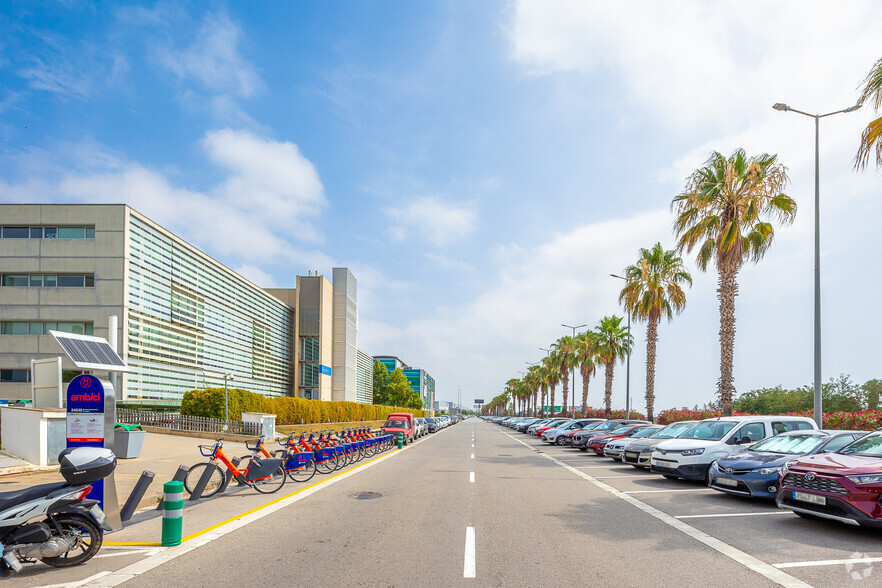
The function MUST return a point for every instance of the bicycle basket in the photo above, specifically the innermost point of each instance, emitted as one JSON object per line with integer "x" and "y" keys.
{"x": 207, "y": 450}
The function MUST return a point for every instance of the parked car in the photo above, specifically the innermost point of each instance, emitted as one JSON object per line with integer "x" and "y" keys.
{"x": 557, "y": 435}
{"x": 614, "y": 449}
{"x": 522, "y": 427}
{"x": 531, "y": 430}
{"x": 432, "y": 426}
{"x": 567, "y": 438}
{"x": 689, "y": 456}
{"x": 421, "y": 427}
{"x": 598, "y": 442}
{"x": 549, "y": 425}
{"x": 844, "y": 486}
{"x": 754, "y": 471}
{"x": 401, "y": 422}
{"x": 580, "y": 440}
{"x": 638, "y": 451}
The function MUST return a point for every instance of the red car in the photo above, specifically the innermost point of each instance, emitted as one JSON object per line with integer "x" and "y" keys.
{"x": 550, "y": 425}
{"x": 843, "y": 486}
{"x": 597, "y": 442}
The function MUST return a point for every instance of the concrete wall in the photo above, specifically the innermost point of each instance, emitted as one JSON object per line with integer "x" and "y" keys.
{"x": 32, "y": 434}
{"x": 345, "y": 332}
{"x": 103, "y": 256}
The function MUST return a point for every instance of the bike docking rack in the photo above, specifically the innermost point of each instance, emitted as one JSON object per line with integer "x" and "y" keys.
{"x": 265, "y": 472}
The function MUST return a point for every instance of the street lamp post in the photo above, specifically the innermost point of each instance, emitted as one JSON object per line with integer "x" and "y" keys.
{"x": 628, "y": 362}
{"x": 573, "y": 414}
{"x": 227, "y": 376}
{"x": 784, "y": 108}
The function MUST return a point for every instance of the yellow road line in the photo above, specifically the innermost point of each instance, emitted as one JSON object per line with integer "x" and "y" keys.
{"x": 246, "y": 513}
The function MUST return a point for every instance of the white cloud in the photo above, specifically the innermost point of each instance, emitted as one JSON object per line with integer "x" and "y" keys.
{"x": 256, "y": 275}
{"x": 433, "y": 220}
{"x": 213, "y": 59}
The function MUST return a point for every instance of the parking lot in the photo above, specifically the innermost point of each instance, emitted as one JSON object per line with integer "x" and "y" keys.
{"x": 774, "y": 542}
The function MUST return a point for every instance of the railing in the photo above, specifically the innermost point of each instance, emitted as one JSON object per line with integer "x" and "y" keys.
{"x": 179, "y": 422}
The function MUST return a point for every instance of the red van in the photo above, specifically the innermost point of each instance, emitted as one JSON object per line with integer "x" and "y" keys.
{"x": 401, "y": 422}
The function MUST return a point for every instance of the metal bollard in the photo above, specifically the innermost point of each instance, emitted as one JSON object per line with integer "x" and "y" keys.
{"x": 137, "y": 494}
{"x": 179, "y": 476}
{"x": 172, "y": 513}
{"x": 203, "y": 481}
{"x": 400, "y": 440}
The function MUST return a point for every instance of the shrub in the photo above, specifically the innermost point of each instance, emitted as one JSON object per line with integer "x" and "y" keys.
{"x": 288, "y": 410}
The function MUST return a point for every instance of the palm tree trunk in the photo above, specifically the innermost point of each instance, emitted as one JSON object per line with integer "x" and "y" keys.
{"x": 607, "y": 398}
{"x": 727, "y": 291}
{"x": 566, "y": 388}
{"x": 585, "y": 380}
{"x": 651, "y": 340}
{"x": 551, "y": 394}
{"x": 544, "y": 396}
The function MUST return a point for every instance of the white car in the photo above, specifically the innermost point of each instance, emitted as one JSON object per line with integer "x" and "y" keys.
{"x": 690, "y": 455}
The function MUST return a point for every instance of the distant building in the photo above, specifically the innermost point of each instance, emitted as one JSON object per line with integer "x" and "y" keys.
{"x": 391, "y": 362}
{"x": 185, "y": 319}
{"x": 364, "y": 384}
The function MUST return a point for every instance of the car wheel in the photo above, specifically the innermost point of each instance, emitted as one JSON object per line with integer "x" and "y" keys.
{"x": 561, "y": 441}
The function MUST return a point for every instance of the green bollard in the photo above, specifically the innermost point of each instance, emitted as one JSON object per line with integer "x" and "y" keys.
{"x": 172, "y": 513}
{"x": 400, "y": 440}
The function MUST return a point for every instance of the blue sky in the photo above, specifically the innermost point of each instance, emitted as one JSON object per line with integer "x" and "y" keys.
{"x": 482, "y": 167}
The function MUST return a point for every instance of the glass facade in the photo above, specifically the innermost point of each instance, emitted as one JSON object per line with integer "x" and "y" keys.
{"x": 48, "y": 280}
{"x": 191, "y": 320}
{"x": 53, "y": 232}
{"x": 364, "y": 386}
{"x": 43, "y": 327}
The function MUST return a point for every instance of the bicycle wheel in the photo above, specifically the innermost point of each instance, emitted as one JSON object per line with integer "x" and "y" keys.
{"x": 327, "y": 466}
{"x": 303, "y": 474}
{"x": 195, "y": 473}
{"x": 272, "y": 484}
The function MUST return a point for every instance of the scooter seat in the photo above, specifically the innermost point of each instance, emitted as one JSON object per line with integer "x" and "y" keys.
{"x": 16, "y": 497}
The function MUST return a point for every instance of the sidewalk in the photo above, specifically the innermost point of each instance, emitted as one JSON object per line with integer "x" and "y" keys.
{"x": 161, "y": 454}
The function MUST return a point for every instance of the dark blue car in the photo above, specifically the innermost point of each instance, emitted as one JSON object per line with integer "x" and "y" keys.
{"x": 754, "y": 471}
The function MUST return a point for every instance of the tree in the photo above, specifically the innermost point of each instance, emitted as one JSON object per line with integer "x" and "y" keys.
{"x": 613, "y": 343}
{"x": 552, "y": 375}
{"x": 652, "y": 291}
{"x": 566, "y": 361}
{"x": 399, "y": 391}
{"x": 872, "y": 390}
{"x": 542, "y": 377}
{"x": 871, "y": 139}
{"x": 534, "y": 382}
{"x": 725, "y": 213}
{"x": 381, "y": 383}
{"x": 586, "y": 354}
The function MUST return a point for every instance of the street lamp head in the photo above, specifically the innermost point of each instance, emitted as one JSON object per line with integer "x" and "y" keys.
{"x": 619, "y": 277}
{"x": 780, "y": 106}
{"x": 228, "y": 376}
{"x": 855, "y": 107}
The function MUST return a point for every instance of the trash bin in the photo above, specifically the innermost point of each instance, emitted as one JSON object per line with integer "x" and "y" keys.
{"x": 127, "y": 440}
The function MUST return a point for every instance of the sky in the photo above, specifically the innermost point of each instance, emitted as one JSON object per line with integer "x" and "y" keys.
{"x": 481, "y": 167}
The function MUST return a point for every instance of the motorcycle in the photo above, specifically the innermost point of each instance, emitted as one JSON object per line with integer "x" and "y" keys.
{"x": 70, "y": 529}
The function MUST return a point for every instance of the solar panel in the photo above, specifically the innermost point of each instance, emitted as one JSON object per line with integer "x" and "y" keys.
{"x": 89, "y": 352}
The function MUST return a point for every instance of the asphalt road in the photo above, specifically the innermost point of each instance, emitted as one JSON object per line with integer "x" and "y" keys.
{"x": 538, "y": 514}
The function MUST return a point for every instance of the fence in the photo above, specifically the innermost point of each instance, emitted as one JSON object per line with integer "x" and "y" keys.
{"x": 177, "y": 422}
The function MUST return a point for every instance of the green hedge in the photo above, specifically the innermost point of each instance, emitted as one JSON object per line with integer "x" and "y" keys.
{"x": 288, "y": 411}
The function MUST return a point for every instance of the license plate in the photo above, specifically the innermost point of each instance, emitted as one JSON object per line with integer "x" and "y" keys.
{"x": 727, "y": 482}
{"x": 806, "y": 497}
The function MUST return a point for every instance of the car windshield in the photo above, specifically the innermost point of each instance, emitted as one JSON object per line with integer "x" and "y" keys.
{"x": 592, "y": 426}
{"x": 673, "y": 431}
{"x": 621, "y": 430}
{"x": 709, "y": 431}
{"x": 430, "y": 420}
{"x": 871, "y": 446}
{"x": 645, "y": 432}
{"x": 607, "y": 426}
{"x": 395, "y": 424}
{"x": 790, "y": 444}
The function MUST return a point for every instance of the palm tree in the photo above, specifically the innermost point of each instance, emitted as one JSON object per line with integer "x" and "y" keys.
{"x": 725, "y": 213}
{"x": 613, "y": 343}
{"x": 652, "y": 290}
{"x": 542, "y": 377}
{"x": 871, "y": 139}
{"x": 533, "y": 380}
{"x": 586, "y": 353}
{"x": 552, "y": 375}
{"x": 566, "y": 361}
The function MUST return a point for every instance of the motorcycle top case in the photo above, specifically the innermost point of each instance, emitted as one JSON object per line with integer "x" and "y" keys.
{"x": 84, "y": 465}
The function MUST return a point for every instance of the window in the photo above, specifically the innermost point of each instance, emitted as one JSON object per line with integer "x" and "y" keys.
{"x": 79, "y": 232}
{"x": 309, "y": 349}
{"x": 838, "y": 443}
{"x": 43, "y": 328}
{"x": 15, "y": 233}
{"x": 16, "y": 376}
{"x": 309, "y": 374}
{"x": 753, "y": 431}
{"x": 49, "y": 280}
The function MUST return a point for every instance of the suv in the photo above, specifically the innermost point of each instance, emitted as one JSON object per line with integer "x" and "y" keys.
{"x": 689, "y": 456}
{"x": 842, "y": 486}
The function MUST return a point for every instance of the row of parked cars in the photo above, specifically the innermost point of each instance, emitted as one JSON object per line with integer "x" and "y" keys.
{"x": 818, "y": 474}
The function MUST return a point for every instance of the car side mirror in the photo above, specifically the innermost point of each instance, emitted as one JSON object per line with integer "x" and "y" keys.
{"x": 744, "y": 441}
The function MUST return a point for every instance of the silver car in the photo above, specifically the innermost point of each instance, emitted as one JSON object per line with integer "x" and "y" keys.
{"x": 638, "y": 451}
{"x": 616, "y": 447}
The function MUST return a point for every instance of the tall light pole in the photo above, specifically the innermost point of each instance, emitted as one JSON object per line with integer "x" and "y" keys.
{"x": 819, "y": 414}
{"x": 227, "y": 376}
{"x": 573, "y": 414}
{"x": 628, "y": 364}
